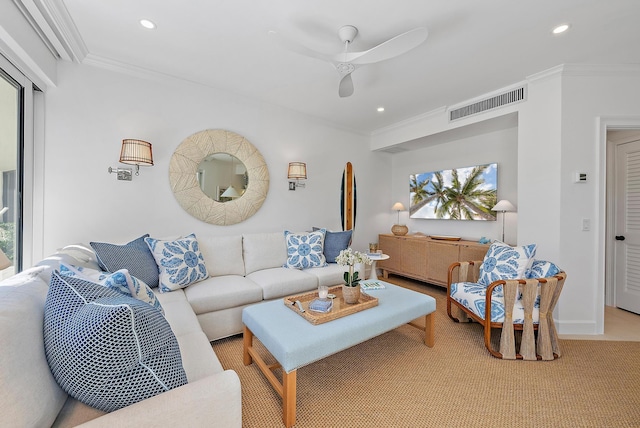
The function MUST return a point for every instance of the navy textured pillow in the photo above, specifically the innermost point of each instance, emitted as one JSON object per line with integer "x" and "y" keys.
{"x": 334, "y": 242}
{"x": 134, "y": 257}
{"x": 105, "y": 349}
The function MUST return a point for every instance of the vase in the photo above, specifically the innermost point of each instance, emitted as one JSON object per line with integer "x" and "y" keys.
{"x": 351, "y": 295}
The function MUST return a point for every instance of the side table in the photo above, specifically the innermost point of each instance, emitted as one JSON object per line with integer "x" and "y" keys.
{"x": 375, "y": 258}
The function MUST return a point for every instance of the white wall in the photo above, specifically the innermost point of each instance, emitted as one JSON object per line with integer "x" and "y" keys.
{"x": 499, "y": 146}
{"x": 92, "y": 110}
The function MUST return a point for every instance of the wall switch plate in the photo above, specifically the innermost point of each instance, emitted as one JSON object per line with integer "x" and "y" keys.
{"x": 586, "y": 224}
{"x": 580, "y": 177}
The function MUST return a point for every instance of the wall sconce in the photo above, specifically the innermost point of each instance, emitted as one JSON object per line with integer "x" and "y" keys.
{"x": 134, "y": 152}
{"x": 297, "y": 171}
{"x": 503, "y": 206}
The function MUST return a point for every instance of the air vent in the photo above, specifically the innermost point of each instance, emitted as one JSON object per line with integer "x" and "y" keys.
{"x": 510, "y": 97}
{"x": 394, "y": 149}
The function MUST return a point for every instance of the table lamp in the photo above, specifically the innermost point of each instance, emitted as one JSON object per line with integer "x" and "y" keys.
{"x": 503, "y": 206}
{"x": 399, "y": 229}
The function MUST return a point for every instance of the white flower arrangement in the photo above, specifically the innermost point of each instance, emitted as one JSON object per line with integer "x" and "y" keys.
{"x": 349, "y": 258}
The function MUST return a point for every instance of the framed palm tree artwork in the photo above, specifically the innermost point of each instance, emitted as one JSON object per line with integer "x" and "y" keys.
{"x": 466, "y": 193}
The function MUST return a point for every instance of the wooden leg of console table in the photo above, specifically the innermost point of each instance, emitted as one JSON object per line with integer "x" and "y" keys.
{"x": 289, "y": 398}
{"x": 247, "y": 339}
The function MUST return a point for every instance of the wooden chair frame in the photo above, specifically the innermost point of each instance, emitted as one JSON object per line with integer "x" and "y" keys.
{"x": 546, "y": 346}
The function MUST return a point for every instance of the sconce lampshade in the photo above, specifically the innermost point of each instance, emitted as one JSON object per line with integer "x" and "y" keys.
{"x": 136, "y": 152}
{"x": 297, "y": 171}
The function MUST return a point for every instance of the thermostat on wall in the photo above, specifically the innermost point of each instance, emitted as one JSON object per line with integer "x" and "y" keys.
{"x": 580, "y": 177}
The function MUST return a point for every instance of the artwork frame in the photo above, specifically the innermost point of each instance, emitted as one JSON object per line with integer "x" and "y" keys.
{"x": 463, "y": 193}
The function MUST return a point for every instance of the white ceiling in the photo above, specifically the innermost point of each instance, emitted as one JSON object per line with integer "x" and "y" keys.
{"x": 474, "y": 47}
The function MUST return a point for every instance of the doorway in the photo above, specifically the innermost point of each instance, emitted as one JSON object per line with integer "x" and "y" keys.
{"x": 622, "y": 288}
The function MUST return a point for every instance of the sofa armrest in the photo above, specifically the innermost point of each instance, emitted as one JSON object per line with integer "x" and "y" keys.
{"x": 214, "y": 401}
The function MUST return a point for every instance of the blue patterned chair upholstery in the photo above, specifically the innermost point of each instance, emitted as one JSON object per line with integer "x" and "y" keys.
{"x": 524, "y": 304}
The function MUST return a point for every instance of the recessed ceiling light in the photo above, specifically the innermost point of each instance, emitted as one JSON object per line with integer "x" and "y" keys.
{"x": 561, "y": 29}
{"x": 380, "y": 109}
{"x": 147, "y": 24}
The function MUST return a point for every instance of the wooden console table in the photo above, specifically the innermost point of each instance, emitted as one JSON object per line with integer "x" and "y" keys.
{"x": 425, "y": 259}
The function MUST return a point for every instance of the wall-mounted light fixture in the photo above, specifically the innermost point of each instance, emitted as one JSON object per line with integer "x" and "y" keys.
{"x": 297, "y": 171}
{"x": 134, "y": 152}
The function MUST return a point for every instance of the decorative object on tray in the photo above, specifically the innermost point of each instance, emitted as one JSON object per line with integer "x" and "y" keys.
{"x": 321, "y": 305}
{"x": 351, "y": 287}
{"x": 399, "y": 229}
{"x": 371, "y": 285}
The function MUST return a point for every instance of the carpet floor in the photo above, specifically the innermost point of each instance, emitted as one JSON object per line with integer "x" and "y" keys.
{"x": 394, "y": 380}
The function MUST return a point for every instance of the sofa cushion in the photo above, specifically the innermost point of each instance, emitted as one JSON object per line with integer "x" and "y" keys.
{"x": 263, "y": 251}
{"x": 222, "y": 292}
{"x": 105, "y": 349}
{"x": 223, "y": 255}
{"x": 31, "y": 397}
{"x": 332, "y": 274}
{"x": 305, "y": 250}
{"x": 134, "y": 257}
{"x": 180, "y": 262}
{"x": 282, "y": 282}
{"x": 120, "y": 281}
{"x": 503, "y": 261}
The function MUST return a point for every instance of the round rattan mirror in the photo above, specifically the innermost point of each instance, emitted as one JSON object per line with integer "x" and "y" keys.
{"x": 183, "y": 176}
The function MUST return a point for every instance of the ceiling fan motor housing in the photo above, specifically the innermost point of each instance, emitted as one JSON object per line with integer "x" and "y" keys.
{"x": 347, "y": 33}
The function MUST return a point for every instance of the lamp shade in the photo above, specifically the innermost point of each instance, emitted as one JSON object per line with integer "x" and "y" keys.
{"x": 503, "y": 206}
{"x": 136, "y": 152}
{"x": 231, "y": 192}
{"x": 297, "y": 171}
{"x": 398, "y": 207}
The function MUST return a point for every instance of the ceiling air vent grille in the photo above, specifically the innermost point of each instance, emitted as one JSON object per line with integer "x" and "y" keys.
{"x": 510, "y": 97}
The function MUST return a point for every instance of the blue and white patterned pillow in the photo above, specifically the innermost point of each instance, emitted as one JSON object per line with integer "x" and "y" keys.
{"x": 134, "y": 257}
{"x": 180, "y": 262}
{"x": 305, "y": 250}
{"x": 120, "y": 281}
{"x": 542, "y": 269}
{"x": 105, "y": 349}
{"x": 503, "y": 261}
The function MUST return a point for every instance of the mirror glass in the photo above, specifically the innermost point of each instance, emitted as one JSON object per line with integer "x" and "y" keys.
{"x": 222, "y": 177}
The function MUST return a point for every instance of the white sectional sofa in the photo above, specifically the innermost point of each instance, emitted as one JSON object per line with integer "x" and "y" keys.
{"x": 243, "y": 270}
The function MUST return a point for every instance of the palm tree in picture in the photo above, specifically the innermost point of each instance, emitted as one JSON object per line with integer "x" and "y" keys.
{"x": 438, "y": 193}
{"x": 469, "y": 200}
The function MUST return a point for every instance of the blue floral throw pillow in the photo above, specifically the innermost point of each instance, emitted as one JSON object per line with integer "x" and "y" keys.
{"x": 180, "y": 262}
{"x": 305, "y": 250}
{"x": 503, "y": 261}
{"x": 542, "y": 269}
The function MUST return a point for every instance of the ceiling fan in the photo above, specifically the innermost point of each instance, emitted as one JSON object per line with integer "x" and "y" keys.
{"x": 347, "y": 62}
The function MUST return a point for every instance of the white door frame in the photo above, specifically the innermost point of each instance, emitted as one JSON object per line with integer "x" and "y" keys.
{"x": 605, "y": 293}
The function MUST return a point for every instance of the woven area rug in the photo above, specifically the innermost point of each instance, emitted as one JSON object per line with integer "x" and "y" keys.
{"x": 394, "y": 380}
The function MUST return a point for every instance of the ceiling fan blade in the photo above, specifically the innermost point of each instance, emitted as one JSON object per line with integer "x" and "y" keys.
{"x": 284, "y": 42}
{"x": 346, "y": 86}
{"x": 391, "y": 48}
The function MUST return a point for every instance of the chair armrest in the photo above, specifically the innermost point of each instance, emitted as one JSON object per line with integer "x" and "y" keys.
{"x": 214, "y": 401}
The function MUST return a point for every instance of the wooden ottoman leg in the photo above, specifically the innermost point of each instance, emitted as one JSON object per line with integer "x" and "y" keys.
{"x": 289, "y": 398}
{"x": 429, "y": 331}
{"x": 247, "y": 339}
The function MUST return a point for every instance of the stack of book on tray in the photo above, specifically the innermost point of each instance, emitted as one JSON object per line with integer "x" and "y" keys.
{"x": 371, "y": 285}
{"x": 321, "y": 305}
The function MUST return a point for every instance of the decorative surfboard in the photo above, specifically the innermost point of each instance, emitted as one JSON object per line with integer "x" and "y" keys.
{"x": 348, "y": 198}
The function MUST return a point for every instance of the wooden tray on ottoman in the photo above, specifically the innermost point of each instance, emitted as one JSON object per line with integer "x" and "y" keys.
{"x": 339, "y": 309}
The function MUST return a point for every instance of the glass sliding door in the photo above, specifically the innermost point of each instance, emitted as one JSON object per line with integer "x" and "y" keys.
{"x": 11, "y": 161}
